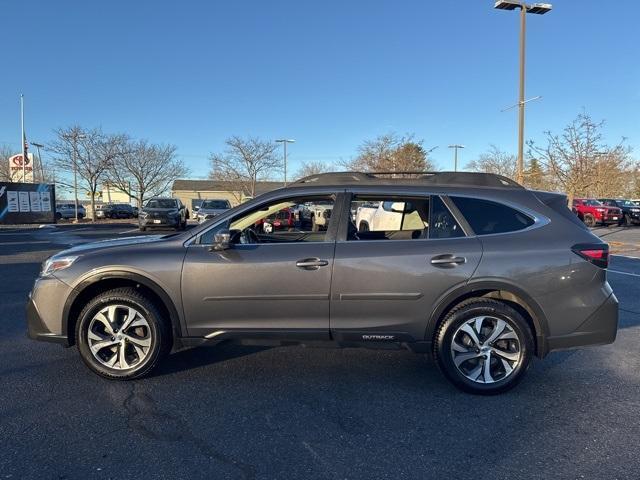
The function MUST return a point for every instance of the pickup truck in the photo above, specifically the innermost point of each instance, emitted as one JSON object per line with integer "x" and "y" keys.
{"x": 630, "y": 210}
{"x": 592, "y": 212}
{"x": 387, "y": 216}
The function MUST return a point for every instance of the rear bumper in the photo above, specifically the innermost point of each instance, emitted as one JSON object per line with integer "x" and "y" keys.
{"x": 599, "y": 329}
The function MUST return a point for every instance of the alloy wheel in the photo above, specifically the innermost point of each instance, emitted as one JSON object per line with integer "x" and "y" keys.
{"x": 119, "y": 337}
{"x": 486, "y": 349}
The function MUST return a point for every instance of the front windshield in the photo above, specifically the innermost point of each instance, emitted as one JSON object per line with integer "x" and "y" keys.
{"x": 161, "y": 203}
{"x": 216, "y": 204}
{"x": 592, "y": 203}
{"x": 627, "y": 203}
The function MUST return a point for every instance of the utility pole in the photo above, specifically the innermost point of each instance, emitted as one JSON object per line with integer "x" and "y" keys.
{"x": 538, "y": 9}
{"x": 23, "y": 141}
{"x": 284, "y": 141}
{"x": 455, "y": 147}
{"x": 38, "y": 147}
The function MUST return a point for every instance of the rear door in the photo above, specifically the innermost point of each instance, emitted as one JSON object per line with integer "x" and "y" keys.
{"x": 386, "y": 282}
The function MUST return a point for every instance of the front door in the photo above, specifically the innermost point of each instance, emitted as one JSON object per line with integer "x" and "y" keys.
{"x": 399, "y": 255}
{"x": 275, "y": 277}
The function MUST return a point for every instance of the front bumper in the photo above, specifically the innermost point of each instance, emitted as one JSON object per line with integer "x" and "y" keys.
{"x": 37, "y": 330}
{"x": 45, "y": 308}
{"x": 159, "y": 221}
{"x": 599, "y": 328}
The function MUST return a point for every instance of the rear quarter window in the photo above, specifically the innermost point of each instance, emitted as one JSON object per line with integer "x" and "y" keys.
{"x": 486, "y": 217}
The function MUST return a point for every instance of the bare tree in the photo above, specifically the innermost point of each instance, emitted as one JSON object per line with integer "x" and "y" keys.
{"x": 391, "y": 153}
{"x": 91, "y": 152}
{"x": 495, "y": 161}
{"x": 245, "y": 162}
{"x": 142, "y": 169}
{"x": 5, "y": 170}
{"x": 581, "y": 163}
{"x": 313, "y": 168}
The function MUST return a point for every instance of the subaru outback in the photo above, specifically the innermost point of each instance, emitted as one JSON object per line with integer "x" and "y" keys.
{"x": 475, "y": 271}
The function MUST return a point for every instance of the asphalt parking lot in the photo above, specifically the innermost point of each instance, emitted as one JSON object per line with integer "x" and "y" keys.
{"x": 295, "y": 412}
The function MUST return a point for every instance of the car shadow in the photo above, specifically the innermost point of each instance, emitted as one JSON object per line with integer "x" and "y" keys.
{"x": 202, "y": 356}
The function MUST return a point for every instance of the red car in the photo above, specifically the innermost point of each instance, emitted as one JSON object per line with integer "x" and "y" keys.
{"x": 592, "y": 212}
{"x": 281, "y": 220}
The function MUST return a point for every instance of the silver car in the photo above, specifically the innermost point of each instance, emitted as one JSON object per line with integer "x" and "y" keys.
{"x": 211, "y": 208}
{"x": 479, "y": 273}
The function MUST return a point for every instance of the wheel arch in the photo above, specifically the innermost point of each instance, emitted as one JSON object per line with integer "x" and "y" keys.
{"x": 501, "y": 290}
{"x": 102, "y": 282}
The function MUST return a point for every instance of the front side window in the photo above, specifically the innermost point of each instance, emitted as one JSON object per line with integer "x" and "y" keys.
{"x": 486, "y": 217}
{"x": 300, "y": 219}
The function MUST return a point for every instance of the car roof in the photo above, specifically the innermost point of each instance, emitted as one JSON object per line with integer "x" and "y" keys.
{"x": 462, "y": 179}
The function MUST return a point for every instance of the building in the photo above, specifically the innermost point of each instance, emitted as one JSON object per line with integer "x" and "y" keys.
{"x": 193, "y": 192}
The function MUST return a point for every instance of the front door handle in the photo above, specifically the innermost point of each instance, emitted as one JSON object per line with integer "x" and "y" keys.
{"x": 311, "y": 263}
{"x": 447, "y": 261}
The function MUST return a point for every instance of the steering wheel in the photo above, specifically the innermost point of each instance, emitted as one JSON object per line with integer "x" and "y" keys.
{"x": 248, "y": 236}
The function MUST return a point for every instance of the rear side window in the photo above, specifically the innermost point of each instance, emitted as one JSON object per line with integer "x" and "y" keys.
{"x": 487, "y": 217}
{"x": 443, "y": 225}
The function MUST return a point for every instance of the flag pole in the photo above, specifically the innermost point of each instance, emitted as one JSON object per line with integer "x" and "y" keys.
{"x": 23, "y": 141}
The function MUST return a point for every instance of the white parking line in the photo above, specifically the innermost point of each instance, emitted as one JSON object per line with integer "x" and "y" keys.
{"x": 625, "y": 256}
{"x": 128, "y": 231}
{"x": 623, "y": 273}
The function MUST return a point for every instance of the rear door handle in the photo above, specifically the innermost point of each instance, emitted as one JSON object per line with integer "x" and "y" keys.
{"x": 447, "y": 261}
{"x": 311, "y": 263}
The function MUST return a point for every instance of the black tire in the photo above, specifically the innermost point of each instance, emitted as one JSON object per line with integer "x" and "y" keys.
{"x": 625, "y": 221}
{"x": 471, "y": 309}
{"x": 58, "y": 216}
{"x": 159, "y": 332}
{"x": 589, "y": 220}
{"x": 143, "y": 229}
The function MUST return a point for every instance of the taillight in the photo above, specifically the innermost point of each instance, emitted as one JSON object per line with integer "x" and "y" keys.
{"x": 596, "y": 253}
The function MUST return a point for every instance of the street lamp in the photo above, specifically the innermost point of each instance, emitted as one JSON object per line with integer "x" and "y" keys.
{"x": 74, "y": 137}
{"x": 455, "y": 155}
{"x": 284, "y": 141}
{"x": 39, "y": 146}
{"x": 538, "y": 9}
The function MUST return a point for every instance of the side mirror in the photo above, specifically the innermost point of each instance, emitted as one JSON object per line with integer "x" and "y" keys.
{"x": 221, "y": 241}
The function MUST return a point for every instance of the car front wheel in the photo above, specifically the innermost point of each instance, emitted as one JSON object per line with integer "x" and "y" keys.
{"x": 484, "y": 346}
{"x": 122, "y": 335}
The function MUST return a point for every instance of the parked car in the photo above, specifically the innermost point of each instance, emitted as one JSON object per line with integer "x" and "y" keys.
{"x": 630, "y": 210}
{"x": 492, "y": 275}
{"x": 593, "y": 213}
{"x": 163, "y": 212}
{"x": 68, "y": 210}
{"x": 284, "y": 219}
{"x": 114, "y": 210}
{"x": 135, "y": 212}
{"x": 211, "y": 208}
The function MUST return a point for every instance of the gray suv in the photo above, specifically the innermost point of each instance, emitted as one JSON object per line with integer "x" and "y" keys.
{"x": 472, "y": 269}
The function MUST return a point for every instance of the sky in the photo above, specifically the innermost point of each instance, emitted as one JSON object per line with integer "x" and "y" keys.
{"x": 329, "y": 74}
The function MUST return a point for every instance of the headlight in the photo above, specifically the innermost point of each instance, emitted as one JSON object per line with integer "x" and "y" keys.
{"x": 601, "y": 209}
{"x": 635, "y": 210}
{"x": 54, "y": 264}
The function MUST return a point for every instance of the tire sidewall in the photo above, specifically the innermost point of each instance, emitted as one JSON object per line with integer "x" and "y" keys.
{"x": 454, "y": 321}
{"x": 150, "y": 314}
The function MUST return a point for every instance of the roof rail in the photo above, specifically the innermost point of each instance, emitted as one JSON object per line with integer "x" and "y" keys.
{"x": 471, "y": 179}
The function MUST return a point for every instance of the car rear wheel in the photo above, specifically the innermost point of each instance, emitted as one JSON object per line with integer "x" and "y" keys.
{"x": 484, "y": 346}
{"x": 122, "y": 335}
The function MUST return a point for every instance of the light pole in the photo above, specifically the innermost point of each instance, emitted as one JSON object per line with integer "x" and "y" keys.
{"x": 284, "y": 141}
{"x": 38, "y": 147}
{"x": 455, "y": 155}
{"x": 538, "y": 9}
{"x": 74, "y": 137}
